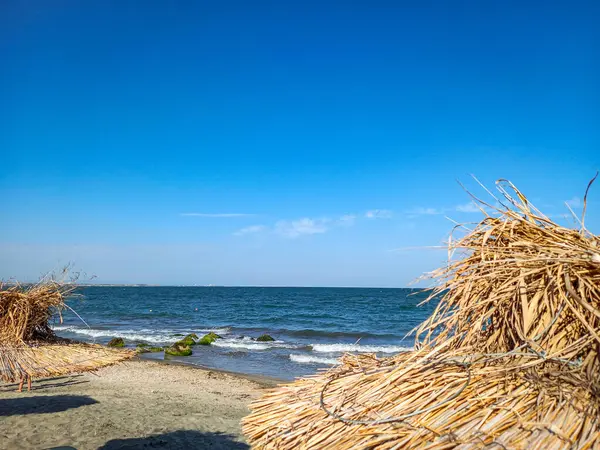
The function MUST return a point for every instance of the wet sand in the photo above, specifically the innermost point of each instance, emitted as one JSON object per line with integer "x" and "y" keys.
{"x": 138, "y": 404}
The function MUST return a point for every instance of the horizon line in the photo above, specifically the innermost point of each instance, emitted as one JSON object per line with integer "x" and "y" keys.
{"x": 87, "y": 284}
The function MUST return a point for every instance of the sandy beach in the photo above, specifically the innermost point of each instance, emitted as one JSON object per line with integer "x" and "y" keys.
{"x": 138, "y": 404}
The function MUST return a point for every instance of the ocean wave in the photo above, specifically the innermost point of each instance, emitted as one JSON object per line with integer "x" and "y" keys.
{"x": 336, "y": 334}
{"x": 226, "y": 330}
{"x": 249, "y": 344}
{"x": 341, "y": 348}
{"x": 241, "y": 344}
{"x": 129, "y": 335}
{"x": 307, "y": 359}
{"x": 146, "y": 335}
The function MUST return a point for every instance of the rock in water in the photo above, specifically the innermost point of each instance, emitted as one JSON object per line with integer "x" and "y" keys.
{"x": 265, "y": 338}
{"x": 145, "y": 348}
{"x": 190, "y": 339}
{"x": 178, "y": 349}
{"x": 116, "y": 342}
{"x": 208, "y": 339}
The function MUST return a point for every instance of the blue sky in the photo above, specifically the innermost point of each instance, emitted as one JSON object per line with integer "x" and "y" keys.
{"x": 282, "y": 143}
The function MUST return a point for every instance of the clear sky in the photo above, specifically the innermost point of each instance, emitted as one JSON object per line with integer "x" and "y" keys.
{"x": 283, "y": 142}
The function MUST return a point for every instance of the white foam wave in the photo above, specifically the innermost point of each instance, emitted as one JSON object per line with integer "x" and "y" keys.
{"x": 146, "y": 335}
{"x": 241, "y": 344}
{"x": 248, "y": 344}
{"x": 212, "y": 330}
{"x": 341, "y": 348}
{"x": 307, "y": 359}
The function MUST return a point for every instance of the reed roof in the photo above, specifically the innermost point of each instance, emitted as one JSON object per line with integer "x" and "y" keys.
{"x": 29, "y": 346}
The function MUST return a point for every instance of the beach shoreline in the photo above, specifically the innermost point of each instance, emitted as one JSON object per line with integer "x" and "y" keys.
{"x": 137, "y": 404}
{"x": 262, "y": 380}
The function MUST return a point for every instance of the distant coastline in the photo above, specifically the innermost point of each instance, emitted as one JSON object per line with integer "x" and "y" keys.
{"x": 239, "y": 286}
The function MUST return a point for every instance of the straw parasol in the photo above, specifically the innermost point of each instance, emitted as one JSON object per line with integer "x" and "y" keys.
{"x": 508, "y": 359}
{"x": 28, "y": 346}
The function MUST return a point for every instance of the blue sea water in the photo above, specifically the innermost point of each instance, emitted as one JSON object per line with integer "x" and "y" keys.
{"x": 312, "y": 326}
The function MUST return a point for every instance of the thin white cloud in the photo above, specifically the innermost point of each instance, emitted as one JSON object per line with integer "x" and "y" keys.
{"x": 421, "y": 211}
{"x": 214, "y": 215}
{"x": 468, "y": 208}
{"x": 378, "y": 214}
{"x": 305, "y": 226}
{"x": 347, "y": 220}
{"x": 575, "y": 202}
{"x": 301, "y": 227}
{"x": 250, "y": 230}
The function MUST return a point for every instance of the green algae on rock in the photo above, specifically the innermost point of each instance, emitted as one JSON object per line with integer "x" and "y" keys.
{"x": 208, "y": 339}
{"x": 178, "y": 349}
{"x": 155, "y": 349}
{"x": 145, "y": 348}
{"x": 116, "y": 342}
{"x": 190, "y": 339}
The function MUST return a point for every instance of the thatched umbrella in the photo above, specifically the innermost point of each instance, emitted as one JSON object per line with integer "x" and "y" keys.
{"x": 509, "y": 358}
{"x": 28, "y": 346}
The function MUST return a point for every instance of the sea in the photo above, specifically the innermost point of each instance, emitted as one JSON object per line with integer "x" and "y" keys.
{"x": 312, "y": 327}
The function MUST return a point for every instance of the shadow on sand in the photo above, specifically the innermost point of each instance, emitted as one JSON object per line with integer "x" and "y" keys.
{"x": 48, "y": 383}
{"x": 182, "y": 439}
{"x": 42, "y": 404}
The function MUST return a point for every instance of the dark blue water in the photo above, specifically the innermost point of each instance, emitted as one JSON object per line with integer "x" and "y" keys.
{"x": 312, "y": 326}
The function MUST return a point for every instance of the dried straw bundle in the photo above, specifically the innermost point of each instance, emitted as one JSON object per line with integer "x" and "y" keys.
{"x": 25, "y": 311}
{"x": 29, "y": 347}
{"x": 522, "y": 284}
{"x": 509, "y": 358}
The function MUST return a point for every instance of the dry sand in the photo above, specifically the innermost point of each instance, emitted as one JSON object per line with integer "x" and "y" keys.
{"x": 138, "y": 404}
